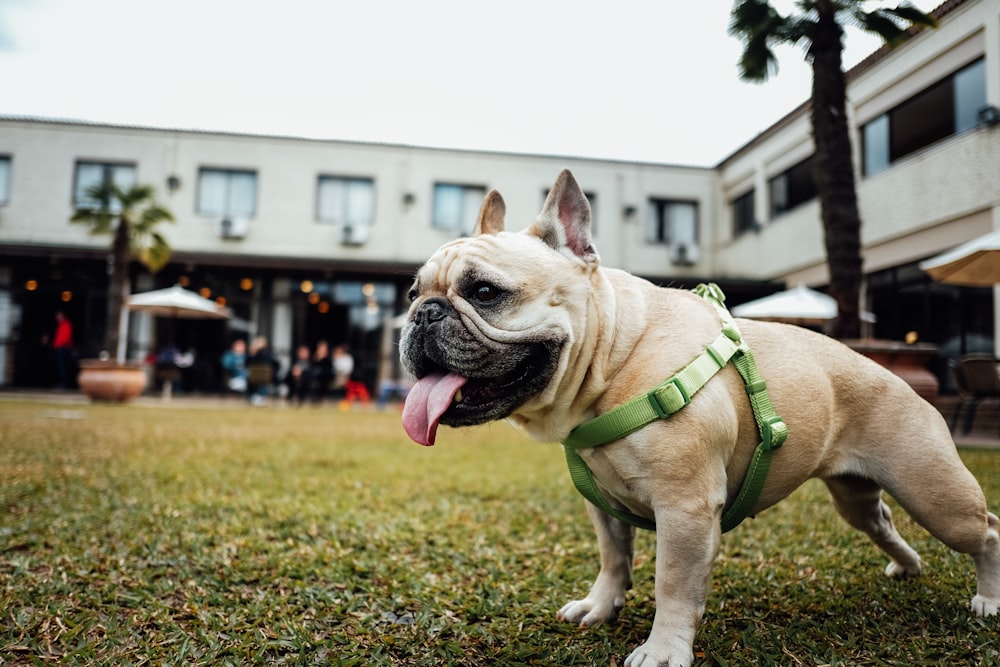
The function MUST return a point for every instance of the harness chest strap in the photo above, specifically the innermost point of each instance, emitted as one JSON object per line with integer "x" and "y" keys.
{"x": 672, "y": 396}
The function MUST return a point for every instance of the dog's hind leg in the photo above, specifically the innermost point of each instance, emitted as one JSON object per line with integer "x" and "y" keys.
{"x": 943, "y": 496}
{"x": 859, "y": 502}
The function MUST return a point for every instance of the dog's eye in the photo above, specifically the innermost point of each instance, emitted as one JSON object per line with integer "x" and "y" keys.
{"x": 412, "y": 295}
{"x": 485, "y": 292}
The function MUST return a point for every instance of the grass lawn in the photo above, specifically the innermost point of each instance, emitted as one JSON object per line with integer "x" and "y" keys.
{"x": 140, "y": 535}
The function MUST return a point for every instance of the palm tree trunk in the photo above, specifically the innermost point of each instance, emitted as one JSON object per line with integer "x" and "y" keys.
{"x": 834, "y": 173}
{"x": 117, "y": 286}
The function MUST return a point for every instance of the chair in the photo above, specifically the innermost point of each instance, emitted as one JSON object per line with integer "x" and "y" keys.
{"x": 260, "y": 375}
{"x": 977, "y": 377}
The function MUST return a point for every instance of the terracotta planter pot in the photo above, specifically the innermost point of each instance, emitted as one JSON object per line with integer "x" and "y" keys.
{"x": 109, "y": 381}
{"x": 907, "y": 361}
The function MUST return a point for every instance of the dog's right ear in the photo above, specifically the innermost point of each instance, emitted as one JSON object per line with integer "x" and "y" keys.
{"x": 491, "y": 215}
{"x": 565, "y": 219}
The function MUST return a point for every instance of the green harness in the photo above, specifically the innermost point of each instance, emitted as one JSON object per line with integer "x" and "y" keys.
{"x": 672, "y": 396}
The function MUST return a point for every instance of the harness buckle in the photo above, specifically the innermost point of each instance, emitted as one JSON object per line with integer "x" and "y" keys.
{"x": 668, "y": 398}
{"x": 773, "y": 433}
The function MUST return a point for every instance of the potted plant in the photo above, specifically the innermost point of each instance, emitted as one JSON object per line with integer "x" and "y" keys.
{"x": 130, "y": 216}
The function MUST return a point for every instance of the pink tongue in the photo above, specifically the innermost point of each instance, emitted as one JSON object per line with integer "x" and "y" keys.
{"x": 426, "y": 402}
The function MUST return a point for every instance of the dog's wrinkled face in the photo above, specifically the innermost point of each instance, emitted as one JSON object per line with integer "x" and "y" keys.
{"x": 488, "y": 323}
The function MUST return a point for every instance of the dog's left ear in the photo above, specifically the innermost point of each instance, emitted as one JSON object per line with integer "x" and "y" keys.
{"x": 565, "y": 219}
{"x": 491, "y": 215}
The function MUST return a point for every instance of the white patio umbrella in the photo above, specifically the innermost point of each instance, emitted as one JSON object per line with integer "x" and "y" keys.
{"x": 799, "y": 305}
{"x": 176, "y": 302}
{"x": 972, "y": 264}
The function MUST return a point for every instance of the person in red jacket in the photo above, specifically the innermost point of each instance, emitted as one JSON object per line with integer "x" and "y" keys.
{"x": 62, "y": 343}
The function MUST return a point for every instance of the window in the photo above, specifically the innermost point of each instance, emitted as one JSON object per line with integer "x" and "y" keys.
{"x": 227, "y": 193}
{"x": 792, "y": 187}
{"x": 345, "y": 201}
{"x": 744, "y": 219}
{"x": 673, "y": 222}
{"x": 456, "y": 207}
{"x": 89, "y": 174}
{"x": 4, "y": 179}
{"x": 946, "y": 108}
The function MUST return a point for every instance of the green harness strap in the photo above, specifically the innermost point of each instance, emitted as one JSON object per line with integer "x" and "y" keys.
{"x": 672, "y": 396}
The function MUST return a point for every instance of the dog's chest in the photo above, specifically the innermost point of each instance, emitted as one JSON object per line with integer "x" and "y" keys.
{"x": 618, "y": 476}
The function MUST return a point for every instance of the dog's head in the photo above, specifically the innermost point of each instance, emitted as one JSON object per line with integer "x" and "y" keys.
{"x": 491, "y": 315}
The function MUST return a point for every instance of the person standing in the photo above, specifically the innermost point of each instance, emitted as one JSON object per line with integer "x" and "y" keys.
{"x": 62, "y": 344}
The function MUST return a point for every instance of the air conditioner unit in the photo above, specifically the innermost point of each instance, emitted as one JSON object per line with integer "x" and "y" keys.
{"x": 233, "y": 228}
{"x": 684, "y": 254}
{"x": 356, "y": 234}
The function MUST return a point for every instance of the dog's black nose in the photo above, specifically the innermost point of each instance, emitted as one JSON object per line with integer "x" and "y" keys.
{"x": 432, "y": 310}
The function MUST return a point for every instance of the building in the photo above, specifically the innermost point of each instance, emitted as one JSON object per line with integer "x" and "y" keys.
{"x": 310, "y": 239}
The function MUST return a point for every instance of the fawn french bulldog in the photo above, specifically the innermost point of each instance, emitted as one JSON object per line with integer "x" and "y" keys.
{"x": 529, "y": 327}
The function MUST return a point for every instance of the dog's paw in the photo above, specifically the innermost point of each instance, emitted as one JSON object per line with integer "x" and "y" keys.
{"x": 982, "y": 606}
{"x": 898, "y": 570}
{"x": 667, "y": 654}
{"x": 588, "y": 612}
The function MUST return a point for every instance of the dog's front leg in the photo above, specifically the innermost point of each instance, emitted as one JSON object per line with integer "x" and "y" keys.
{"x": 687, "y": 542}
{"x": 615, "y": 540}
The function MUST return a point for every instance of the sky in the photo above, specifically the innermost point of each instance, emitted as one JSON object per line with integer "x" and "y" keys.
{"x": 649, "y": 81}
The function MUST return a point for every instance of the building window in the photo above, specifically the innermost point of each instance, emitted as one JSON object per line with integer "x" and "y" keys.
{"x": 946, "y": 108}
{"x": 4, "y": 179}
{"x": 345, "y": 201}
{"x": 744, "y": 219}
{"x": 227, "y": 193}
{"x": 456, "y": 207}
{"x": 675, "y": 223}
{"x": 792, "y": 187}
{"x": 89, "y": 174}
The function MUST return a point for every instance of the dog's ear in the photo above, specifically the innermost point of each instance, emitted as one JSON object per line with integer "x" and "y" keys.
{"x": 491, "y": 215}
{"x": 565, "y": 219}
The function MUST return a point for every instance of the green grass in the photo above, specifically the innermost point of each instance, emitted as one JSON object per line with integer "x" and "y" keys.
{"x": 138, "y": 535}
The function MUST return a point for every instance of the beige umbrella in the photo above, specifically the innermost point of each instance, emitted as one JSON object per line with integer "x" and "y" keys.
{"x": 972, "y": 264}
{"x": 799, "y": 305}
{"x": 176, "y": 302}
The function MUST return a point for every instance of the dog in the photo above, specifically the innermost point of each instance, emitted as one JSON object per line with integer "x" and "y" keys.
{"x": 529, "y": 327}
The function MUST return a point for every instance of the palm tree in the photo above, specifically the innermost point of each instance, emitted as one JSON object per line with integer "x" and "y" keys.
{"x": 819, "y": 27}
{"x": 130, "y": 217}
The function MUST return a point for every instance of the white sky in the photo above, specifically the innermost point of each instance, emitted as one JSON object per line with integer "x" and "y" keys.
{"x": 647, "y": 80}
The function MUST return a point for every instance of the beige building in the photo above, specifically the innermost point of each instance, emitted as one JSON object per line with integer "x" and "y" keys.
{"x": 311, "y": 240}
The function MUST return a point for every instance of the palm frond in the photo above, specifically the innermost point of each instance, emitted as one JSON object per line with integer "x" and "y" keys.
{"x": 760, "y": 27}
{"x": 910, "y": 14}
{"x": 135, "y": 209}
{"x": 892, "y": 24}
{"x": 153, "y": 215}
{"x": 880, "y": 23}
{"x": 155, "y": 254}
